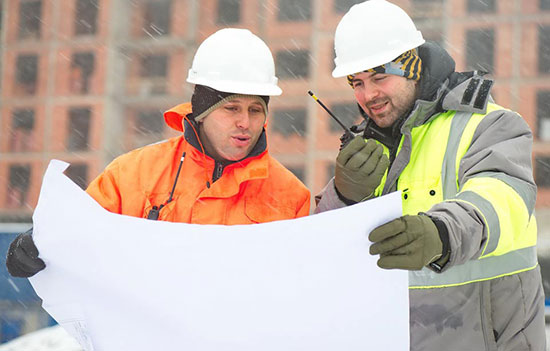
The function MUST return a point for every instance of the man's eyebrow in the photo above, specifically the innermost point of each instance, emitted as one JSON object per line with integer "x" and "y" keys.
{"x": 369, "y": 76}
{"x": 256, "y": 104}
{"x": 238, "y": 99}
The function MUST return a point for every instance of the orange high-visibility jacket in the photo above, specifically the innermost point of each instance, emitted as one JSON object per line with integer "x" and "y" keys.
{"x": 255, "y": 190}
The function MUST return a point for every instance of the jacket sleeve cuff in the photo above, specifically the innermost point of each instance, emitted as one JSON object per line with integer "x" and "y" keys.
{"x": 328, "y": 199}
{"x": 438, "y": 265}
{"x": 343, "y": 198}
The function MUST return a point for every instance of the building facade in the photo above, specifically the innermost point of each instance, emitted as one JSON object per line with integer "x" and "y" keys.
{"x": 87, "y": 80}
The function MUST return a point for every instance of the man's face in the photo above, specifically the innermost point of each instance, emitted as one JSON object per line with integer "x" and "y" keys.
{"x": 231, "y": 131}
{"x": 384, "y": 97}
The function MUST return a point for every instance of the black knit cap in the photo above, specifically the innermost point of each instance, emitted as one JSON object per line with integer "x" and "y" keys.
{"x": 206, "y": 100}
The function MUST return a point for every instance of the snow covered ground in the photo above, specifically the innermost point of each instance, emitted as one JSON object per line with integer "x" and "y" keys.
{"x": 49, "y": 339}
{"x": 56, "y": 339}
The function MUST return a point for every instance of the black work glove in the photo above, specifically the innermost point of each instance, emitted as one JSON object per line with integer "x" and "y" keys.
{"x": 360, "y": 167}
{"x": 408, "y": 242}
{"x": 22, "y": 260}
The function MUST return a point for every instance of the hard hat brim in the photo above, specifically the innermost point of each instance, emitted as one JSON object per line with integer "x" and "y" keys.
{"x": 363, "y": 64}
{"x": 247, "y": 88}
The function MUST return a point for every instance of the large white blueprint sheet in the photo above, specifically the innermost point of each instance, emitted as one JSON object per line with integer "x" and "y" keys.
{"x": 123, "y": 283}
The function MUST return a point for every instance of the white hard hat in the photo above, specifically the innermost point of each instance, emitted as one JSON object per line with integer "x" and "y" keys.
{"x": 235, "y": 61}
{"x": 371, "y": 34}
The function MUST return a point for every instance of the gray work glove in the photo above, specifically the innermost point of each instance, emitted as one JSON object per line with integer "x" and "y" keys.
{"x": 408, "y": 242}
{"x": 22, "y": 260}
{"x": 360, "y": 167}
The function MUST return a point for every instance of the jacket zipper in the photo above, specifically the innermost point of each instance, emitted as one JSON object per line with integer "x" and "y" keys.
{"x": 218, "y": 171}
{"x": 393, "y": 154}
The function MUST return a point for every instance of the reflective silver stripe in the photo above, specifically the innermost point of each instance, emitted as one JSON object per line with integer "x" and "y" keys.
{"x": 448, "y": 170}
{"x": 490, "y": 215}
{"x": 525, "y": 190}
{"x": 472, "y": 271}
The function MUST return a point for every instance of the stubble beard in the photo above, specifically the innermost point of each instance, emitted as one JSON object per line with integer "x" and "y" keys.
{"x": 396, "y": 111}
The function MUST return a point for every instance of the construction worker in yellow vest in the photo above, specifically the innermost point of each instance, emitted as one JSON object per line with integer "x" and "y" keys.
{"x": 463, "y": 164}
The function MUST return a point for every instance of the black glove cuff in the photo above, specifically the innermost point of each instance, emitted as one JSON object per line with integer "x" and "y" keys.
{"x": 439, "y": 264}
{"x": 343, "y": 198}
{"x": 22, "y": 260}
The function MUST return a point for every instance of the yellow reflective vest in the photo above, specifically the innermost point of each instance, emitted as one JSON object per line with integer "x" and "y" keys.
{"x": 504, "y": 203}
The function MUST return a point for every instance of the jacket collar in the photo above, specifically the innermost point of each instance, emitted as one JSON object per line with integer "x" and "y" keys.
{"x": 253, "y": 166}
{"x": 461, "y": 91}
{"x": 174, "y": 117}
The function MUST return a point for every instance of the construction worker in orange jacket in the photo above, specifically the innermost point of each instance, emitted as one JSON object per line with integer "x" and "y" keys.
{"x": 219, "y": 171}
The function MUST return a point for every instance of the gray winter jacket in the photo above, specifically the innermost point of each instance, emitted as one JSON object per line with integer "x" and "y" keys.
{"x": 489, "y": 294}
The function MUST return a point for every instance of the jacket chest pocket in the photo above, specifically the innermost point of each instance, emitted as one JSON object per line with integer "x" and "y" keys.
{"x": 420, "y": 196}
{"x": 154, "y": 202}
{"x": 258, "y": 211}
